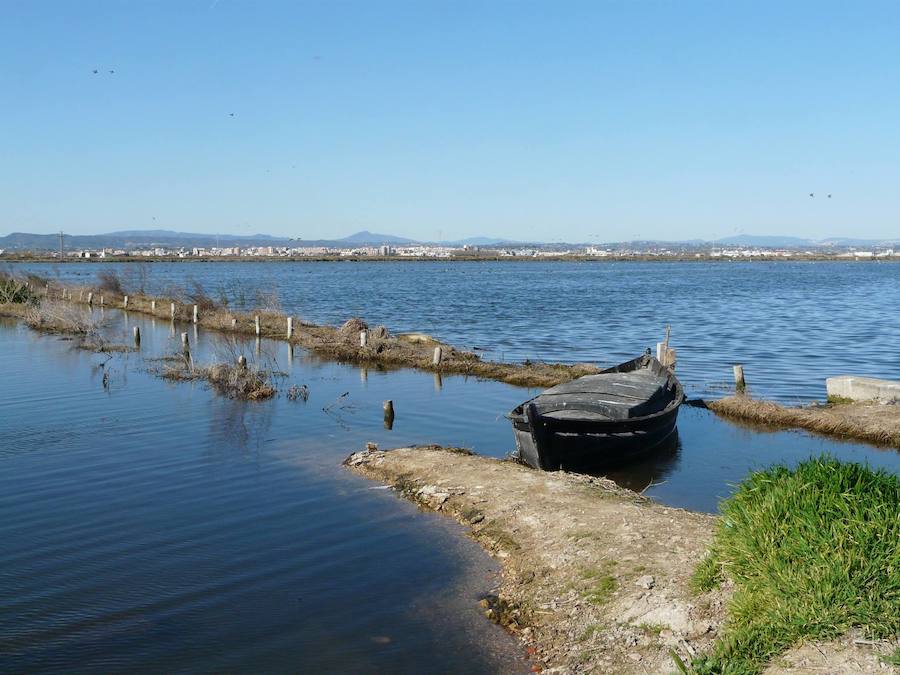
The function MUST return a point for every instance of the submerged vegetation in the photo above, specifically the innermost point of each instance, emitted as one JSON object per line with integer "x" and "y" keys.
{"x": 246, "y": 382}
{"x": 813, "y": 552}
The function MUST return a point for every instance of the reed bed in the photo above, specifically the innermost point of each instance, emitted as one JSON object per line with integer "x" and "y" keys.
{"x": 872, "y": 422}
{"x": 813, "y": 552}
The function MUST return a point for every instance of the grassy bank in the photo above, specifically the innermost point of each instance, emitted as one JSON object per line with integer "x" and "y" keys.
{"x": 339, "y": 343}
{"x": 865, "y": 421}
{"x": 813, "y": 553}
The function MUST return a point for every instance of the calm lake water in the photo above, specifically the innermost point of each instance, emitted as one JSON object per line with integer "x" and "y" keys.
{"x": 790, "y": 324}
{"x": 155, "y": 526}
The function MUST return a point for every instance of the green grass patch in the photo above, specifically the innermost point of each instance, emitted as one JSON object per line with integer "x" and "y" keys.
{"x": 812, "y": 552}
{"x": 602, "y": 583}
{"x": 892, "y": 659}
{"x": 652, "y": 628}
{"x": 839, "y": 400}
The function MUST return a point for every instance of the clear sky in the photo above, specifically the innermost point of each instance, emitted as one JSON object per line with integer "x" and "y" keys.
{"x": 578, "y": 121}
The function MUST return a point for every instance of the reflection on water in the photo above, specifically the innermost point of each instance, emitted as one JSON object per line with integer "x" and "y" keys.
{"x": 653, "y": 468}
{"x": 791, "y": 324}
{"x": 156, "y": 525}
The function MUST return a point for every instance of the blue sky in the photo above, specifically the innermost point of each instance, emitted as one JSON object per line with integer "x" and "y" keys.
{"x": 579, "y": 121}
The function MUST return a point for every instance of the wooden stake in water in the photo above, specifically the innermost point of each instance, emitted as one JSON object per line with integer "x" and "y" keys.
{"x": 363, "y": 338}
{"x": 740, "y": 384}
{"x": 290, "y": 327}
{"x": 125, "y": 302}
{"x": 388, "y": 414}
{"x": 438, "y": 355}
{"x": 91, "y": 298}
{"x": 256, "y": 320}
{"x": 137, "y": 336}
{"x": 172, "y": 310}
{"x": 101, "y": 301}
{"x": 153, "y": 305}
{"x": 196, "y": 314}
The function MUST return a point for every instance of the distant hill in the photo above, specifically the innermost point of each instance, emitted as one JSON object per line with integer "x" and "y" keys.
{"x": 23, "y": 241}
{"x": 366, "y": 237}
{"x": 135, "y": 239}
{"x": 764, "y": 241}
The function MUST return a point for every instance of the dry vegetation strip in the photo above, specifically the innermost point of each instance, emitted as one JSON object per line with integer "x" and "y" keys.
{"x": 871, "y": 422}
{"x": 339, "y": 343}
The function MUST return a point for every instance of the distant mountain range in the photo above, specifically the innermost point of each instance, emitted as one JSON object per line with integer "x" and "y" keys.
{"x": 134, "y": 239}
{"x": 142, "y": 239}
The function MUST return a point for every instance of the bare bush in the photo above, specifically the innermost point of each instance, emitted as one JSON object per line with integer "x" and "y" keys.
{"x": 197, "y": 295}
{"x": 247, "y": 383}
{"x": 267, "y": 300}
{"x": 352, "y": 327}
{"x": 54, "y": 316}
{"x": 110, "y": 282}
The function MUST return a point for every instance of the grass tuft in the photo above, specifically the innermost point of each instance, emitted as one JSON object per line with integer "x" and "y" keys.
{"x": 813, "y": 552}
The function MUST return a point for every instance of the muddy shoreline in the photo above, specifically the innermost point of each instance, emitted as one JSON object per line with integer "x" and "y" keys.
{"x": 595, "y": 577}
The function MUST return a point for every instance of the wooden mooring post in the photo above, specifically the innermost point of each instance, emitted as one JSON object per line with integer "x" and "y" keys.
{"x": 137, "y": 336}
{"x": 290, "y": 327}
{"x": 185, "y": 345}
{"x": 388, "y": 414}
{"x": 125, "y": 302}
{"x": 91, "y": 299}
{"x": 437, "y": 357}
{"x": 256, "y": 320}
{"x": 740, "y": 384}
{"x": 363, "y": 338}
{"x": 153, "y": 305}
{"x": 196, "y": 314}
{"x": 172, "y": 311}
{"x": 101, "y": 301}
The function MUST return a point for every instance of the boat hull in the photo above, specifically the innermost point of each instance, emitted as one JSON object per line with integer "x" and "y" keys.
{"x": 577, "y": 442}
{"x": 555, "y": 446}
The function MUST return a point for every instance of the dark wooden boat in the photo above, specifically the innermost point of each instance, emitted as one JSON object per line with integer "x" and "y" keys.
{"x": 602, "y": 420}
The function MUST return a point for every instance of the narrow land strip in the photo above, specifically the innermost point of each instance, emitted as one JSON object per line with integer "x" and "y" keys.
{"x": 595, "y": 577}
{"x": 868, "y": 421}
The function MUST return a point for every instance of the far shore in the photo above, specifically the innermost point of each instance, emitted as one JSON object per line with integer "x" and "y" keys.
{"x": 10, "y": 257}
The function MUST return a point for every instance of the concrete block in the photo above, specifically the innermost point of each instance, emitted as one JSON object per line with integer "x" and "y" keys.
{"x": 863, "y": 388}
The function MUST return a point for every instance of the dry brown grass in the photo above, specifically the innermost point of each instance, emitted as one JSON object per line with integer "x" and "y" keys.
{"x": 872, "y": 422}
{"x": 57, "y": 316}
{"x": 247, "y": 383}
{"x": 342, "y": 343}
